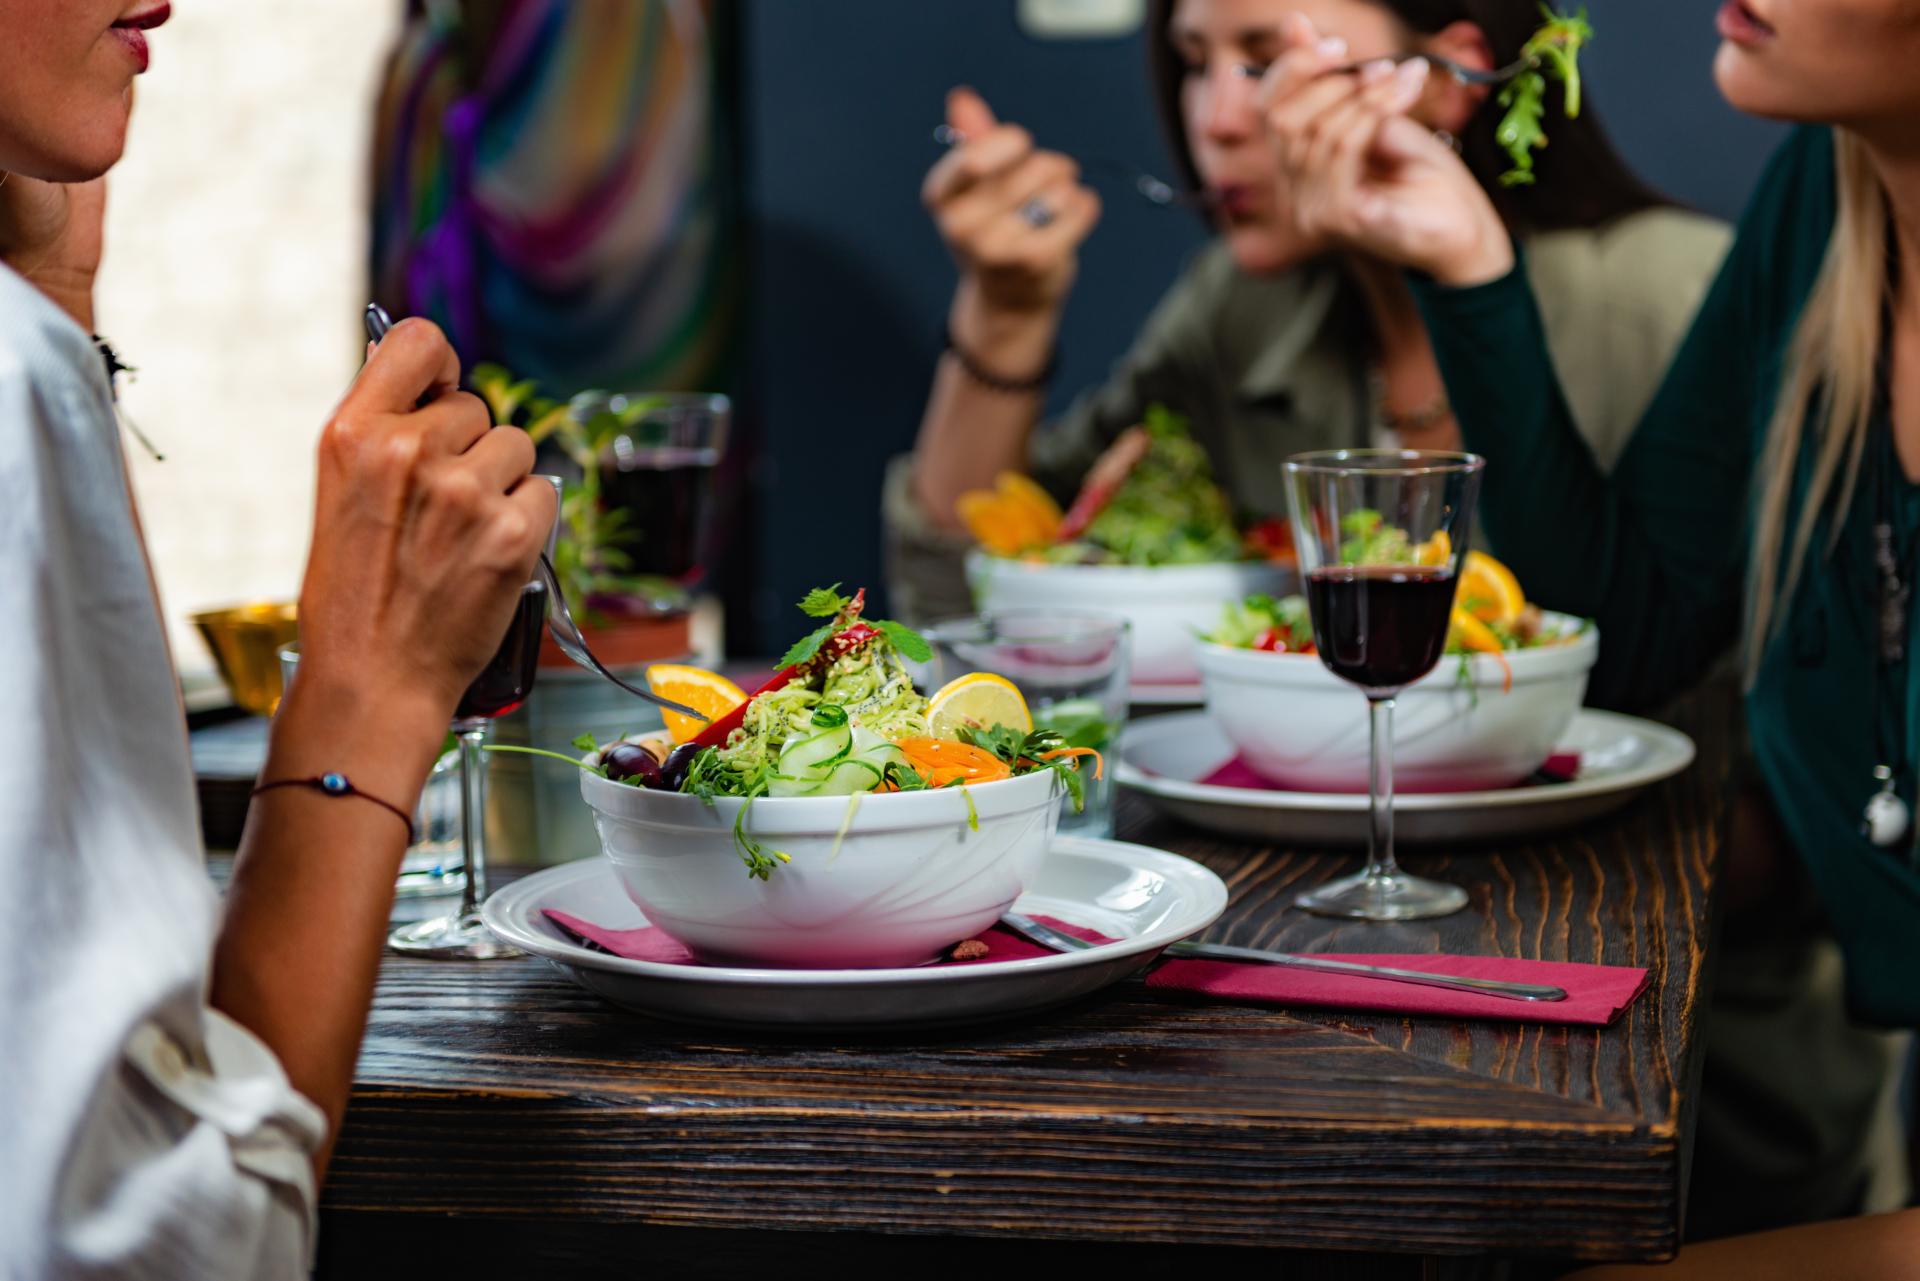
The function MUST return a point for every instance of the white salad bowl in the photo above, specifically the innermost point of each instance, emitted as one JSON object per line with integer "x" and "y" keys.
{"x": 1168, "y": 605}
{"x": 1458, "y": 729}
{"x": 892, "y": 880}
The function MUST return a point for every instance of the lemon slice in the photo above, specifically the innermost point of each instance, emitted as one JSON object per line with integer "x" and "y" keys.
{"x": 979, "y": 700}
{"x": 1489, "y": 591}
{"x": 702, "y": 690}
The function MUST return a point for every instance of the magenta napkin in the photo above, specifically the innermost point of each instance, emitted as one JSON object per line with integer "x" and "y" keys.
{"x": 1561, "y": 767}
{"x": 1596, "y": 994}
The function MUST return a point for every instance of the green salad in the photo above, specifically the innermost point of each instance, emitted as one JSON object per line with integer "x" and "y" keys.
{"x": 1168, "y": 510}
{"x": 1149, "y": 499}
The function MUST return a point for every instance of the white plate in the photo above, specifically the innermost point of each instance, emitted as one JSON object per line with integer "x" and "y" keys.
{"x": 1619, "y": 755}
{"x": 1192, "y": 695}
{"x": 1142, "y": 897}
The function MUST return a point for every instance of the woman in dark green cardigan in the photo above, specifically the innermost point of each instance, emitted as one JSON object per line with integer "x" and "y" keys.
{"x": 1771, "y": 494}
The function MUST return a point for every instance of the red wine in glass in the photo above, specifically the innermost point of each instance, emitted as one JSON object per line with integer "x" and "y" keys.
{"x": 1380, "y": 626}
{"x": 1381, "y": 535}
{"x": 666, "y": 489}
{"x": 508, "y": 676}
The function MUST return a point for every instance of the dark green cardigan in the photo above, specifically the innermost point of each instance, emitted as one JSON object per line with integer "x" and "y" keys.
{"x": 1657, "y": 553}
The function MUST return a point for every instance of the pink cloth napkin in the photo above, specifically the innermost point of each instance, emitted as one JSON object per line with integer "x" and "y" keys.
{"x": 1561, "y": 767}
{"x": 1596, "y": 994}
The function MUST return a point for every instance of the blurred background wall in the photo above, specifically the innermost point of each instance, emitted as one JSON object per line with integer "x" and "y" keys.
{"x": 234, "y": 276}
{"x": 239, "y": 250}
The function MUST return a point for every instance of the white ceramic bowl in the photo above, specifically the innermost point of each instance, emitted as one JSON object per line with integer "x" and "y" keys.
{"x": 1300, "y": 726}
{"x": 1167, "y": 604}
{"x": 909, "y": 877}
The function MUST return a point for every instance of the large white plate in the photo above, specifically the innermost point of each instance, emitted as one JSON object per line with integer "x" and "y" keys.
{"x": 1142, "y": 897}
{"x": 1165, "y": 757}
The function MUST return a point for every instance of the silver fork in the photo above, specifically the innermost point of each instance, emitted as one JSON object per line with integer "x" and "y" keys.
{"x": 1155, "y": 191}
{"x": 1459, "y": 71}
{"x": 566, "y": 634}
{"x": 1060, "y": 941}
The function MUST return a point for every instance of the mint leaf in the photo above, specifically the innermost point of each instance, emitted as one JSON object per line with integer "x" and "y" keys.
{"x": 823, "y": 602}
{"x": 905, "y": 639}
{"x": 806, "y": 647}
{"x": 586, "y": 744}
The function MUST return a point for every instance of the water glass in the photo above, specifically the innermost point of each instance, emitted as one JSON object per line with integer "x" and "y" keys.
{"x": 1073, "y": 667}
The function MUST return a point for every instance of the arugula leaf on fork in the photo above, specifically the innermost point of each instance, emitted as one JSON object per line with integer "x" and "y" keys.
{"x": 1552, "y": 51}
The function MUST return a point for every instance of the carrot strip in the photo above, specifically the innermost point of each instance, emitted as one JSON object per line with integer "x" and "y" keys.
{"x": 1099, "y": 764}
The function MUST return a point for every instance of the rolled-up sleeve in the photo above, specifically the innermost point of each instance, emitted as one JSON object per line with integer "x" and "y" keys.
{"x": 192, "y": 1164}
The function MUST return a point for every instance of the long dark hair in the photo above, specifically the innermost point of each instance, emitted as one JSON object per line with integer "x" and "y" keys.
{"x": 1581, "y": 180}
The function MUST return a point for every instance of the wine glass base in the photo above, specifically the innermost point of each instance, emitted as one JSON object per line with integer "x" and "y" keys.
{"x": 453, "y": 938}
{"x": 1398, "y": 897}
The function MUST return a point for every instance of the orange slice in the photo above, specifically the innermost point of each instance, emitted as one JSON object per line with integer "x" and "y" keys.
{"x": 1435, "y": 550}
{"x": 704, "y": 691}
{"x": 1026, "y": 493}
{"x": 1470, "y": 634}
{"x": 995, "y": 524}
{"x": 1489, "y": 591}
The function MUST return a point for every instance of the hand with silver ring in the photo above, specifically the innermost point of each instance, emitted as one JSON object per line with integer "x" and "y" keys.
{"x": 1036, "y": 213}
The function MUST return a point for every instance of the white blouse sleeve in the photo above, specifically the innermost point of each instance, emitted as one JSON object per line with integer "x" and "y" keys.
{"x": 142, "y": 1133}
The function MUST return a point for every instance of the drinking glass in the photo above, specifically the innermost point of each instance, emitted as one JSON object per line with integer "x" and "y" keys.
{"x": 1072, "y": 666}
{"x": 428, "y": 869}
{"x": 658, "y": 469}
{"x": 499, "y": 689}
{"x": 1381, "y": 534}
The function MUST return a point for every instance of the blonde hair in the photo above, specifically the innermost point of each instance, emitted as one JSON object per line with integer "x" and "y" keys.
{"x": 1829, "y": 380}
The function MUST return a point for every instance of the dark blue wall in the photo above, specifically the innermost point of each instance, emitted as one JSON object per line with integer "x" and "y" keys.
{"x": 849, "y": 284}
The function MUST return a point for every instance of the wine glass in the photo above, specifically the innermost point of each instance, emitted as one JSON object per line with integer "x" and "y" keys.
{"x": 499, "y": 689}
{"x": 1381, "y": 534}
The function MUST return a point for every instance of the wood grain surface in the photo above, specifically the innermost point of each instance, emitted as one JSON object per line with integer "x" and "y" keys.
{"x": 501, "y": 1094}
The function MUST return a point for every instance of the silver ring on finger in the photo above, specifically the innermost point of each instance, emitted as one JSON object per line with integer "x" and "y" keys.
{"x": 1036, "y": 213}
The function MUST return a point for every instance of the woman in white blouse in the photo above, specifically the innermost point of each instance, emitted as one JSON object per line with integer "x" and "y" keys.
{"x": 174, "y": 1070}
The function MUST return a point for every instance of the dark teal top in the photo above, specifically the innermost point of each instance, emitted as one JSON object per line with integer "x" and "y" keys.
{"x": 1657, "y": 553}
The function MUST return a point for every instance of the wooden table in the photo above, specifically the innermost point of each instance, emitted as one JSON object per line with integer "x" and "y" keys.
{"x": 503, "y": 1119}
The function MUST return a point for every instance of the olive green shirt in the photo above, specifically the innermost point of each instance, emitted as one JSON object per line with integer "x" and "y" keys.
{"x": 1265, "y": 367}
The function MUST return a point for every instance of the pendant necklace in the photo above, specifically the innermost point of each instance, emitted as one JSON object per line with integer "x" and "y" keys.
{"x": 1888, "y": 817}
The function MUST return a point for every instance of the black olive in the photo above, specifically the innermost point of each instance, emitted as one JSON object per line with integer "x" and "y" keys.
{"x": 673, "y": 775}
{"x": 631, "y": 763}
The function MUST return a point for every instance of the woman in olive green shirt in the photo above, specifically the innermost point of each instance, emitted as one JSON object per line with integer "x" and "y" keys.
{"x": 1268, "y": 343}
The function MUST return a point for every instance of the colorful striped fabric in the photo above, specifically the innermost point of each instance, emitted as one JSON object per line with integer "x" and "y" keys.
{"x": 561, "y": 198}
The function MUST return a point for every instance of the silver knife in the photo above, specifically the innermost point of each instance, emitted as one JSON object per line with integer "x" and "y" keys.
{"x": 1059, "y": 941}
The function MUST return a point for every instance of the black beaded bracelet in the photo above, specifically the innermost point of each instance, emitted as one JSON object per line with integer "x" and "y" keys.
{"x": 994, "y": 382}
{"x": 332, "y": 784}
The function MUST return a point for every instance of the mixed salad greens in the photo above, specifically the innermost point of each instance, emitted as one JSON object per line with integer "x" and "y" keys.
{"x": 1150, "y": 499}
{"x": 840, "y": 718}
{"x": 1552, "y": 52}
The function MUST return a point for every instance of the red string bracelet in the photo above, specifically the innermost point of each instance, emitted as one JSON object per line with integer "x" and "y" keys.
{"x": 332, "y": 784}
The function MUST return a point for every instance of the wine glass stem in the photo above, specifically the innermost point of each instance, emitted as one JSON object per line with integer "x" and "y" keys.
{"x": 1380, "y": 789}
{"x": 473, "y": 816}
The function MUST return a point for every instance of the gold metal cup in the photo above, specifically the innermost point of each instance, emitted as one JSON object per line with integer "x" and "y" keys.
{"x": 246, "y": 641}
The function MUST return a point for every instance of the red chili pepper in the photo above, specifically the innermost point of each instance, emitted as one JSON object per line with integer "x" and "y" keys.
{"x": 716, "y": 734}
{"x": 1109, "y": 472}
